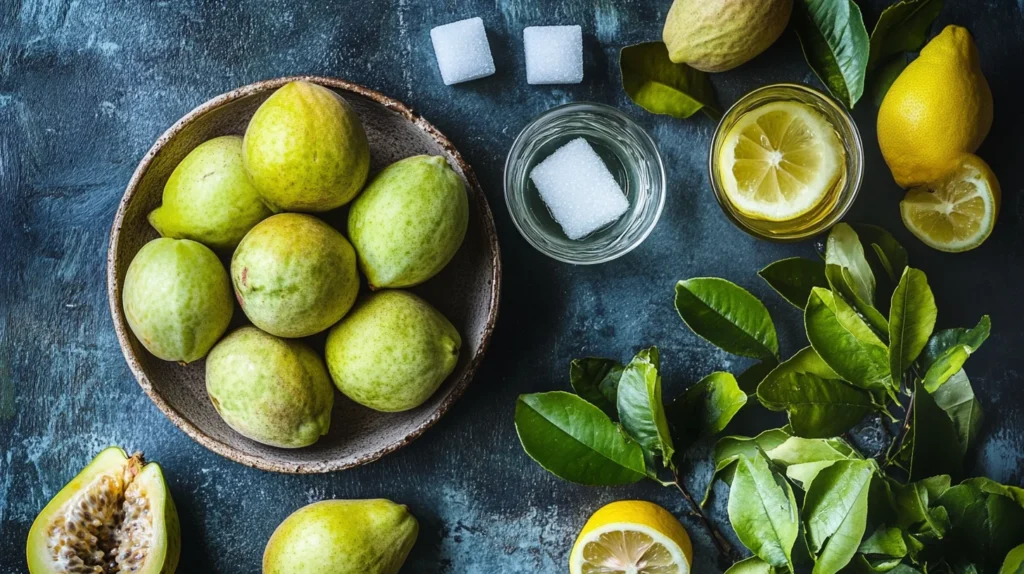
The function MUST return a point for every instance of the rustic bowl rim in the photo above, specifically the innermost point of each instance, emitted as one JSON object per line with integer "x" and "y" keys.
{"x": 114, "y": 290}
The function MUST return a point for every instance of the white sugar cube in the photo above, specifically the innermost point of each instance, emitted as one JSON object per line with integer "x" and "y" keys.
{"x": 462, "y": 51}
{"x": 554, "y": 54}
{"x": 580, "y": 192}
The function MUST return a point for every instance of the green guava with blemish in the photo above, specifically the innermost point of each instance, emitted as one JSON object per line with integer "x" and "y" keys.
{"x": 209, "y": 197}
{"x": 274, "y": 391}
{"x": 392, "y": 351}
{"x": 305, "y": 149}
{"x": 177, "y": 299}
{"x": 409, "y": 221}
{"x": 294, "y": 275}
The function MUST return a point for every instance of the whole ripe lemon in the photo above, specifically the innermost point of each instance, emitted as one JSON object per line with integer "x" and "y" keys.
{"x": 938, "y": 109}
{"x": 634, "y": 537}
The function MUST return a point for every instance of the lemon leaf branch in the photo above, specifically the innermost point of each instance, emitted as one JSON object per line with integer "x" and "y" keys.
{"x": 725, "y": 550}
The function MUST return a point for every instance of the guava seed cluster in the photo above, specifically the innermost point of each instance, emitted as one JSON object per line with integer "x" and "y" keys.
{"x": 105, "y": 529}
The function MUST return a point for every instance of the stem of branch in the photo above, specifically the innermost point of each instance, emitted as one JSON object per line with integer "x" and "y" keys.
{"x": 905, "y": 425}
{"x": 724, "y": 548}
{"x": 901, "y": 436}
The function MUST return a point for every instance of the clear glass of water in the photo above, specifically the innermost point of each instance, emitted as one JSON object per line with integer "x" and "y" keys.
{"x": 627, "y": 151}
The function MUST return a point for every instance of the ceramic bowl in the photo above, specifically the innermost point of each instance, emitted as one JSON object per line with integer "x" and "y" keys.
{"x": 466, "y": 291}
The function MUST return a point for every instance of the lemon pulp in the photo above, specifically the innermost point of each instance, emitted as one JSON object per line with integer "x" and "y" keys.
{"x": 630, "y": 551}
{"x": 780, "y": 161}
{"x": 958, "y": 212}
{"x": 632, "y": 537}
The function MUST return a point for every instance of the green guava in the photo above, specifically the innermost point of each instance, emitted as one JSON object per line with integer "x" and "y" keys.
{"x": 392, "y": 351}
{"x": 409, "y": 221}
{"x": 342, "y": 537}
{"x": 209, "y": 197}
{"x": 274, "y": 391}
{"x": 305, "y": 149}
{"x": 294, "y": 275}
{"x": 177, "y": 299}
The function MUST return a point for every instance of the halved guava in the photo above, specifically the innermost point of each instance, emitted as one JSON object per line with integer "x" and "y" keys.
{"x": 115, "y": 517}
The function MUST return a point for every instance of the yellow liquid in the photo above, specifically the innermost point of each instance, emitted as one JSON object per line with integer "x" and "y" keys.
{"x": 780, "y": 164}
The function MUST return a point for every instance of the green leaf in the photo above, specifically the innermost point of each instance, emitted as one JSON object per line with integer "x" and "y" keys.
{"x": 640, "y": 406}
{"x": 865, "y": 325}
{"x": 890, "y": 254}
{"x": 575, "y": 441}
{"x": 849, "y": 274}
{"x": 990, "y": 486}
{"x": 729, "y": 449}
{"x": 931, "y": 446}
{"x": 948, "y": 364}
{"x": 911, "y": 320}
{"x": 1013, "y": 564}
{"x": 754, "y": 374}
{"x": 705, "y": 408}
{"x": 862, "y": 318}
{"x": 885, "y": 541}
{"x": 799, "y": 450}
{"x": 817, "y": 407}
{"x": 805, "y": 360}
{"x": 836, "y": 511}
{"x": 956, "y": 398}
{"x": 728, "y": 317}
{"x": 794, "y": 278}
{"x": 912, "y": 502}
{"x": 862, "y": 363}
{"x": 660, "y": 86}
{"x": 763, "y": 511}
{"x": 804, "y": 458}
{"x": 985, "y": 526}
{"x": 752, "y": 565}
{"x": 941, "y": 342}
{"x": 860, "y": 564}
{"x": 835, "y": 44}
{"x": 902, "y": 27}
{"x": 843, "y": 249}
{"x": 597, "y": 380}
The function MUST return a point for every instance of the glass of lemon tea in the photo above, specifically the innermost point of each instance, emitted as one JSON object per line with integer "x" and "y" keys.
{"x": 786, "y": 162}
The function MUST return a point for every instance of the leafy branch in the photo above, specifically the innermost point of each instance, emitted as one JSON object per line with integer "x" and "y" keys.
{"x": 721, "y": 543}
{"x": 803, "y": 495}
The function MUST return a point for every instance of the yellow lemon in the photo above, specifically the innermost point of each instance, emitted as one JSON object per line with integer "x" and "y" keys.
{"x": 632, "y": 537}
{"x": 780, "y": 161}
{"x": 958, "y": 212}
{"x": 939, "y": 108}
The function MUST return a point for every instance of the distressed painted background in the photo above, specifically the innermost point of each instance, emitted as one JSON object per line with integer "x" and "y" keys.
{"x": 86, "y": 86}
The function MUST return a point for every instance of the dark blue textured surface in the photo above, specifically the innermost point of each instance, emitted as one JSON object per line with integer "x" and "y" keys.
{"x": 87, "y": 85}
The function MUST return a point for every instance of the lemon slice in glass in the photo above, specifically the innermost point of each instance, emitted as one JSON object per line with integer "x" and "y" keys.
{"x": 780, "y": 161}
{"x": 958, "y": 212}
{"x": 632, "y": 537}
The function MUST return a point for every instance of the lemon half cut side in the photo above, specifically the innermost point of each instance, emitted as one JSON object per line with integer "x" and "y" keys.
{"x": 780, "y": 161}
{"x": 958, "y": 212}
{"x": 632, "y": 537}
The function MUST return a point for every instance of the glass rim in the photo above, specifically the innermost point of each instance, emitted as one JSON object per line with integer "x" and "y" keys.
{"x": 855, "y": 180}
{"x": 618, "y": 248}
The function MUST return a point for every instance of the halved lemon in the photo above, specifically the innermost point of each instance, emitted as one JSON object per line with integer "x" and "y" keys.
{"x": 958, "y": 212}
{"x": 780, "y": 161}
{"x": 632, "y": 537}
